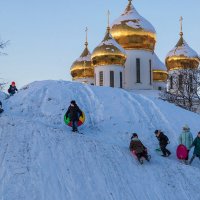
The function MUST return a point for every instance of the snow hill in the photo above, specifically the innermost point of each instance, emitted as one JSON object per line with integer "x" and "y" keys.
{"x": 41, "y": 159}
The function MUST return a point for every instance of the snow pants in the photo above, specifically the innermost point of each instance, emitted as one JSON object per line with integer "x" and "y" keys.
{"x": 142, "y": 154}
{"x": 164, "y": 150}
{"x": 74, "y": 125}
{"x": 193, "y": 157}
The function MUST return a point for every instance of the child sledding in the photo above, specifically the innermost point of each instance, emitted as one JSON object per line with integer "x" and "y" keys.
{"x": 138, "y": 149}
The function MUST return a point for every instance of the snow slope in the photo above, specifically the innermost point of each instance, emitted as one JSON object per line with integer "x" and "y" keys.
{"x": 41, "y": 159}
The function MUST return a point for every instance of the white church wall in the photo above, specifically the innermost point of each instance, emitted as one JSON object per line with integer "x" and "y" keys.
{"x": 130, "y": 70}
{"x": 106, "y": 75}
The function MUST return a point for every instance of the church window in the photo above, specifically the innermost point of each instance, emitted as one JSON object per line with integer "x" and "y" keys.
{"x": 120, "y": 79}
{"x": 101, "y": 78}
{"x": 150, "y": 69}
{"x": 138, "y": 70}
{"x": 111, "y": 78}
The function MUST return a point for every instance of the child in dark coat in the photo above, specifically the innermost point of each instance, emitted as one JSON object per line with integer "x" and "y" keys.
{"x": 163, "y": 142}
{"x": 196, "y": 145}
{"x": 138, "y": 148}
{"x": 12, "y": 89}
{"x": 74, "y": 113}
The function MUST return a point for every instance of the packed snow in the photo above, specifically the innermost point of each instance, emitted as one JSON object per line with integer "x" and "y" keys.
{"x": 40, "y": 158}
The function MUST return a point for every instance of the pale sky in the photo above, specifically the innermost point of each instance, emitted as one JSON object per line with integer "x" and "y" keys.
{"x": 46, "y": 36}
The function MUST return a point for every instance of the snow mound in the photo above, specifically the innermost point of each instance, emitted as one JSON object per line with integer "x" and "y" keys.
{"x": 41, "y": 159}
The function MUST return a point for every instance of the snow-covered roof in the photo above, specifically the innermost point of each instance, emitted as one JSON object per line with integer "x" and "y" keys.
{"x": 85, "y": 58}
{"x": 134, "y": 20}
{"x": 182, "y": 49}
{"x": 110, "y": 41}
{"x": 157, "y": 64}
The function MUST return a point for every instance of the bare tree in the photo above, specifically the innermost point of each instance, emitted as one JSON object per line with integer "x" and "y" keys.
{"x": 2, "y": 46}
{"x": 184, "y": 89}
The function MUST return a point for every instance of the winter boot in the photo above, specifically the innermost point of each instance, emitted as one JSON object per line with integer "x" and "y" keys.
{"x": 140, "y": 161}
{"x": 148, "y": 158}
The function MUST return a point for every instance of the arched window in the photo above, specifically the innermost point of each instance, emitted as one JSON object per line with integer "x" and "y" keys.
{"x": 112, "y": 83}
{"x": 150, "y": 69}
{"x": 120, "y": 74}
{"x": 138, "y": 70}
{"x": 101, "y": 78}
{"x": 180, "y": 81}
{"x": 171, "y": 82}
{"x": 191, "y": 83}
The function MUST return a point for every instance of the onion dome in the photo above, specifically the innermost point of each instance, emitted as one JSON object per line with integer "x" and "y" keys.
{"x": 182, "y": 56}
{"x": 132, "y": 31}
{"x": 108, "y": 52}
{"x": 159, "y": 70}
{"x": 82, "y": 68}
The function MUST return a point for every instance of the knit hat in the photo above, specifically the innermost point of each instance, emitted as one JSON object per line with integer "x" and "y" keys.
{"x": 13, "y": 83}
{"x": 186, "y": 127}
{"x": 135, "y": 135}
{"x": 73, "y": 102}
{"x": 156, "y": 131}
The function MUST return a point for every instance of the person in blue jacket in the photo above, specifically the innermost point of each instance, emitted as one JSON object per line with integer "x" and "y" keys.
{"x": 186, "y": 139}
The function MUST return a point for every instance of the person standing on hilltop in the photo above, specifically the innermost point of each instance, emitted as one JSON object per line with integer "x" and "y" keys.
{"x": 12, "y": 89}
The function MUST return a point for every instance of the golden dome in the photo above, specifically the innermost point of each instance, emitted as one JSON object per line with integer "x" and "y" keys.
{"x": 182, "y": 56}
{"x": 82, "y": 67}
{"x": 159, "y": 70}
{"x": 108, "y": 52}
{"x": 132, "y": 31}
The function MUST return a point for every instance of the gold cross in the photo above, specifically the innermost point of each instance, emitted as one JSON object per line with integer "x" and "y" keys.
{"x": 181, "y": 22}
{"x": 86, "y": 31}
{"x": 108, "y": 18}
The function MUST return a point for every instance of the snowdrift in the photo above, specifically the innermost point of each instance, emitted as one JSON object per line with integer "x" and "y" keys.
{"x": 41, "y": 159}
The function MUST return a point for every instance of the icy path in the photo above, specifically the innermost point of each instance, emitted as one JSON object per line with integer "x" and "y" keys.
{"x": 41, "y": 159}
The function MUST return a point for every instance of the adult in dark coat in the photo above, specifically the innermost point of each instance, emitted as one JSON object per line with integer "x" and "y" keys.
{"x": 196, "y": 145}
{"x": 74, "y": 113}
{"x": 12, "y": 89}
{"x": 163, "y": 142}
{"x": 138, "y": 148}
